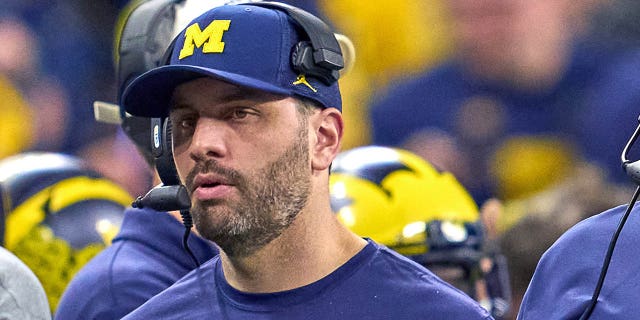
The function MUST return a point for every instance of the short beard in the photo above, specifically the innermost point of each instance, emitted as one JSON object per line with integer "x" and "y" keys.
{"x": 271, "y": 200}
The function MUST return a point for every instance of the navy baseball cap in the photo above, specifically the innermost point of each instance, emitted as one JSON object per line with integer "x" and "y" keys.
{"x": 245, "y": 45}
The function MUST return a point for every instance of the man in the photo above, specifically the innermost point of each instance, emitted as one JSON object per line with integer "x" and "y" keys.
{"x": 147, "y": 254}
{"x": 253, "y": 140}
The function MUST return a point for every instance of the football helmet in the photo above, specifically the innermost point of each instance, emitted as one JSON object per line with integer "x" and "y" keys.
{"x": 400, "y": 200}
{"x": 57, "y": 215}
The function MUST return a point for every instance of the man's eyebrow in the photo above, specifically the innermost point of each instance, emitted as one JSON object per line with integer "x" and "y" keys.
{"x": 173, "y": 106}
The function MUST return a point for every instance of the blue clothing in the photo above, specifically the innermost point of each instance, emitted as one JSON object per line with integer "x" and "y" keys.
{"x": 593, "y": 107}
{"x": 566, "y": 276}
{"x": 376, "y": 283}
{"x": 145, "y": 258}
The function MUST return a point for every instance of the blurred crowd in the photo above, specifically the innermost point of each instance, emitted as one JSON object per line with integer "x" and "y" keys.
{"x": 526, "y": 102}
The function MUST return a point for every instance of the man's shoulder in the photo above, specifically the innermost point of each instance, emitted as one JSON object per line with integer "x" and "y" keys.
{"x": 401, "y": 280}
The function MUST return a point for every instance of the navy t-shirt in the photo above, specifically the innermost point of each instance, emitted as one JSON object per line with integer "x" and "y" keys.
{"x": 376, "y": 283}
{"x": 145, "y": 258}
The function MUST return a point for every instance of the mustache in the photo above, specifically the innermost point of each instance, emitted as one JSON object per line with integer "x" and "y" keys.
{"x": 212, "y": 166}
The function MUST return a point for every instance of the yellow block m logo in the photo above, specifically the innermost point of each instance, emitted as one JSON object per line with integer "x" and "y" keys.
{"x": 210, "y": 39}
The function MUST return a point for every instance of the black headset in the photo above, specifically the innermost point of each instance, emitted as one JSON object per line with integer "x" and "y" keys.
{"x": 632, "y": 169}
{"x": 321, "y": 57}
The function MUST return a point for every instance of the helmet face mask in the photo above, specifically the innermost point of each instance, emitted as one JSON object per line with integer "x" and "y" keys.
{"x": 401, "y": 201}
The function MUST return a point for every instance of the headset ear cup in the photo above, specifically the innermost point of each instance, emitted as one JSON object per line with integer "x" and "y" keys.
{"x": 303, "y": 62}
{"x": 302, "y": 57}
{"x": 165, "y": 164}
{"x": 321, "y": 56}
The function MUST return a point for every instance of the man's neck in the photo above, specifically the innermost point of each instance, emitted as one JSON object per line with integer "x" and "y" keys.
{"x": 315, "y": 245}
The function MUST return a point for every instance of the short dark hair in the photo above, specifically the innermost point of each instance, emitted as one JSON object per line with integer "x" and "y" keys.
{"x": 307, "y": 107}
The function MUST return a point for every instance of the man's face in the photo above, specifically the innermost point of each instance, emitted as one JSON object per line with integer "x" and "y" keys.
{"x": 494, "y": 35}
{"x": 484, "y": 29}
{"x": 244, "y": 157}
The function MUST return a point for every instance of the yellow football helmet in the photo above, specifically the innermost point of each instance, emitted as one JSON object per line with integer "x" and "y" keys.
{"x": 400, "y": 200}
{"x": 56, "y": 215}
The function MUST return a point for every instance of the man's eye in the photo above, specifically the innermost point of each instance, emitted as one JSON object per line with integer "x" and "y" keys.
{"x": 186, "y": 123}
{"x": 240, "y": 113}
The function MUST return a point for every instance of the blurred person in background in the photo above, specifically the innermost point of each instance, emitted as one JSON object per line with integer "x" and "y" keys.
{"x": 37, "y": 95}
{"x": 65, "y": 52}
{"x": 398, "y": 199}
{"x": 58, "y": 215}
{"x": 20, "y": 56}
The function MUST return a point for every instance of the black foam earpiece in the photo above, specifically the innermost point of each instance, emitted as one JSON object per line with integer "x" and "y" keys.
{"x": 321, "y": 56}
{"x": 161, "y": 142}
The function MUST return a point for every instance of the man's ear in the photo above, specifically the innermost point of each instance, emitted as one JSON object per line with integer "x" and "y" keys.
{"x": 328, "y": 126}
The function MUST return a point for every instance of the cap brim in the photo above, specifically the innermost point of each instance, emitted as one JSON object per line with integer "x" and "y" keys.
{"x": 149, "y": 94}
